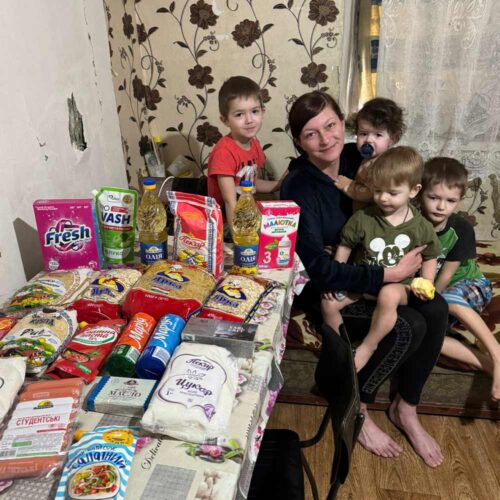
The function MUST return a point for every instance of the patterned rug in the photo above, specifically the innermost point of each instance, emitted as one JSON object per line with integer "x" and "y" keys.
{"x": 450, "y": 390}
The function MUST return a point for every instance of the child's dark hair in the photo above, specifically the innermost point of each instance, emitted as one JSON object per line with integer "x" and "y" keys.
{"x": 397, "y": 166}
{"x": 447, "y": 171}
{"x": 234, "y": 87}
{"x": 384, "y": 114}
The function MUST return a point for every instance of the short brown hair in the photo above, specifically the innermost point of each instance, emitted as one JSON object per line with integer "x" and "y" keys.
{"x": 397, "y": 166}
{"x": 384, "y": 114}
{"x": 444, "y": 170}
{"x": 308, "y": 106}
{"x": 234, "y": 87}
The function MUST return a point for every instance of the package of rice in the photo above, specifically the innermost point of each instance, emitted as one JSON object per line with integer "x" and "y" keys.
{"x": 169, "y": 287}
{"x": 235, "y": 298}
{"x": 55, "y": 289}
{"x": 195, "y": 396}
{"x": 107, "y": 290}
{"x": 39, "y": 337}
{"x": 198, "y": 236}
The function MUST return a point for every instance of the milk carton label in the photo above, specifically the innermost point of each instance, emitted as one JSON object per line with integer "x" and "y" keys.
{"x": 278, "y": 233}
{"x": 68, "y": 234}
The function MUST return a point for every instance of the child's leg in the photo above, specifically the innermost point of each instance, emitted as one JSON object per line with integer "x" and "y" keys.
{"x": 331, "y": 307}
{"x": 383, "y": 320}
{"x": 474, "y": 358}
{"x": 475, "y": 324}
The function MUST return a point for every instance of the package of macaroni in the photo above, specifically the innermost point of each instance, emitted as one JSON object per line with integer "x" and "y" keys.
{"x": 86, "y": 352}
{"x": 55, "y": 289}
{"x": 198, "y": 236}
{"x": 105, "y": 295}
{"x": 98, "y": 465}
{"x": 236, "y": 298}
{"x": 39, "y": 337}
{"x": 169, "y": 287}
{"x": 40, "y": 429}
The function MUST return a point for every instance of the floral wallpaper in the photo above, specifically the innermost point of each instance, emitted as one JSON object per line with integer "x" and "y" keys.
{"x": 170, "y": 58}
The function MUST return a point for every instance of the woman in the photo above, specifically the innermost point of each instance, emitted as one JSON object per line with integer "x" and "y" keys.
{"x": 412, "y": 348}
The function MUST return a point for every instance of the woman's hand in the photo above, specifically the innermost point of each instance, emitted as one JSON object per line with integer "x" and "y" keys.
{"x": 406, "y": 267}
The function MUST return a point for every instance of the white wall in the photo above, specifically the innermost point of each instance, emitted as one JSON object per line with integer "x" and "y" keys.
{"x": 51, "y": 49}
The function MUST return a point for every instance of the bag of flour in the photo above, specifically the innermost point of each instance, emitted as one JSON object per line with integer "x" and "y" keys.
{"x": 195, "y": 396}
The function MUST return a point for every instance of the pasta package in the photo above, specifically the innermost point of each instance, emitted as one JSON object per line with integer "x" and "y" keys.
{"x": 39, "y": 337}
{"x": 198, "y": 235}
{"x": 195, "y": 396}
{"x": 235, "y": 298}
{"x": 103, "y": 299}
{"x": 169, "y": 287}
{"x": 54, "y": 289}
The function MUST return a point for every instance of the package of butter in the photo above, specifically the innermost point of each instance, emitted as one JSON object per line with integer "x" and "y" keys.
{"x": 68, "y": 232}
{"x": 129, "y": 397}
{"x": 237, "y": 338}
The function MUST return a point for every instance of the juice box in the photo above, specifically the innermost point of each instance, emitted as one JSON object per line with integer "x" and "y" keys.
{"x": 278, "y": 233}
{"x": 68, "y": 234}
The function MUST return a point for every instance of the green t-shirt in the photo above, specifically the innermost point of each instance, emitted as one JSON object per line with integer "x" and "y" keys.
{"x": 459, "y": 230}
{"x": 377, "y": 242}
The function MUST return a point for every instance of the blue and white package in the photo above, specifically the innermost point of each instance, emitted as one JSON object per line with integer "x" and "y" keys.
{"x": 158, "y": 351}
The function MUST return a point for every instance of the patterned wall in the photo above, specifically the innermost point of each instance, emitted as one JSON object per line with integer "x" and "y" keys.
{"x": 169, "y": 59}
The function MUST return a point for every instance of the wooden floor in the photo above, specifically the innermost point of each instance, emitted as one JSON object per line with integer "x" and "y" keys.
{"x": 471, "y": 469}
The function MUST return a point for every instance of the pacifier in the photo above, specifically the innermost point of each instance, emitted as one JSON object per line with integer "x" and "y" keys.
{"x": 366, "y": 151}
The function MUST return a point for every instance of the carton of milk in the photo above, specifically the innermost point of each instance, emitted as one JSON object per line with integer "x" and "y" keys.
{"x": 68, "y": 234}
{"x": 278, "y": 233}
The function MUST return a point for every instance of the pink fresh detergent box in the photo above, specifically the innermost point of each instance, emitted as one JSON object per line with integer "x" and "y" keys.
{"x": 278, "y": 233}
{"x": 68, "y": 234}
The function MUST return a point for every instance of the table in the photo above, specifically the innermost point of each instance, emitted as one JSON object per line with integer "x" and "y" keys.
{"x": 165, "y": 468}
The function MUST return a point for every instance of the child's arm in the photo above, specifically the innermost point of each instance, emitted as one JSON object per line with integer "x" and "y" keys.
{"x": 423, "y": 287}
{"x": 445, "y": 274}
{"x": 343, "y": 253}
{"x": 264, "y": 186}
{"x": 228, "y": 192}
{"x": 356, "y": 189}
{"x": 429, "y": 268}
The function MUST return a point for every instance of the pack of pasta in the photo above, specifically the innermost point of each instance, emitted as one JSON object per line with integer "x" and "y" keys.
{"x": 103, "y": 298}
{"x": 235, "y": 298}
{"x": 198, "y": 236}
{"x": 169, "y": 287}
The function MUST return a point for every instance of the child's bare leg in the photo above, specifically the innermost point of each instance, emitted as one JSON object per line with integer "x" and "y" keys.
{"x": 475, "y": 324}
{"x": 477, "y": 360}
{"x": 331, "y": 307}
{"x": 384, "y": 318}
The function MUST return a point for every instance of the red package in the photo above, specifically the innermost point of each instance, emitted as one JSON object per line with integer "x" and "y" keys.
{"x": 198, "y": 235}
{"x": 6, "y": 323}
{"x": 87, "y": 351}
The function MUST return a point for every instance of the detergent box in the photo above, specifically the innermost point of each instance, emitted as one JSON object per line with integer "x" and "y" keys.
{"x": 278, "y": 233}
{"x": 68, "y": 234}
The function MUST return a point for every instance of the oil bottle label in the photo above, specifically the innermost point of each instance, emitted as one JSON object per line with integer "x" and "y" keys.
{"x": 151, "y": 252}
{"x": 245, "y": 256}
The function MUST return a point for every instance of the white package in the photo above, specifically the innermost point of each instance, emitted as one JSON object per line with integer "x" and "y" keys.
{"x": 195, "y": 396}
{"x": 12, "y": 373}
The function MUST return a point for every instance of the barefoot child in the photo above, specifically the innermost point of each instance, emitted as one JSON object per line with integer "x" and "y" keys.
{"x": 379, "y": 125}
{"x": 459, "y": 281}
{"x": 381, "y": 234}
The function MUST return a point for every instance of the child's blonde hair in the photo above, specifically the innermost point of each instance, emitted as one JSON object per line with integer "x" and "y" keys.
{"x": 398, "y": 165}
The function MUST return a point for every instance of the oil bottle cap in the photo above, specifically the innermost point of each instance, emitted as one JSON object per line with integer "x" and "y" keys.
{"x": 246, "y": 185}
{"x": 149, "y": 183}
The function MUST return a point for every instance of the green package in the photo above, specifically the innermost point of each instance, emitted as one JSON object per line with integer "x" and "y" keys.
{"x": 117, "y": 214}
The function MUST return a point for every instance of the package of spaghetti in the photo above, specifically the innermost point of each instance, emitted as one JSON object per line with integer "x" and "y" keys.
{"x": 98, "y": 465}
{"x": 169, "y": 287}
{"x": 54, "y": 289}
{"x": 198, "y": 236}
{"x": 236, "y": 297}
{"x": 40, "y": 429}
{"x": 39, "y": 337}
{"x": 86, "y": 352}
{"x": 105, "y": 295}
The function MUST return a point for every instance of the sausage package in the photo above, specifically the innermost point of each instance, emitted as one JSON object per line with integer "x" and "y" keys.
{"x": 198, "y": 235}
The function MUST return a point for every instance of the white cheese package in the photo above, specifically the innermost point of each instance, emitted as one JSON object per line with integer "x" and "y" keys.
{"x": 195, "y": 396}
{"x": 12, "y": 373}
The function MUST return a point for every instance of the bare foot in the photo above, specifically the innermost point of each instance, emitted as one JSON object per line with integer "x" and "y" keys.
{"x": 404, "y": 417}
{"x": 374, "y": 439}
{"x": 495, "y": 386}
{"x": 363, "y": 354}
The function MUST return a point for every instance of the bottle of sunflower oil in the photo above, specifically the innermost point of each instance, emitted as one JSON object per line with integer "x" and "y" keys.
{"x": 152, "y": 222}
{"x": 246, "y": 225}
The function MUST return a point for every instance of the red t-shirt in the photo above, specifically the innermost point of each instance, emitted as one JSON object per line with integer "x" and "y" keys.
{"x": 228, "y": 158}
